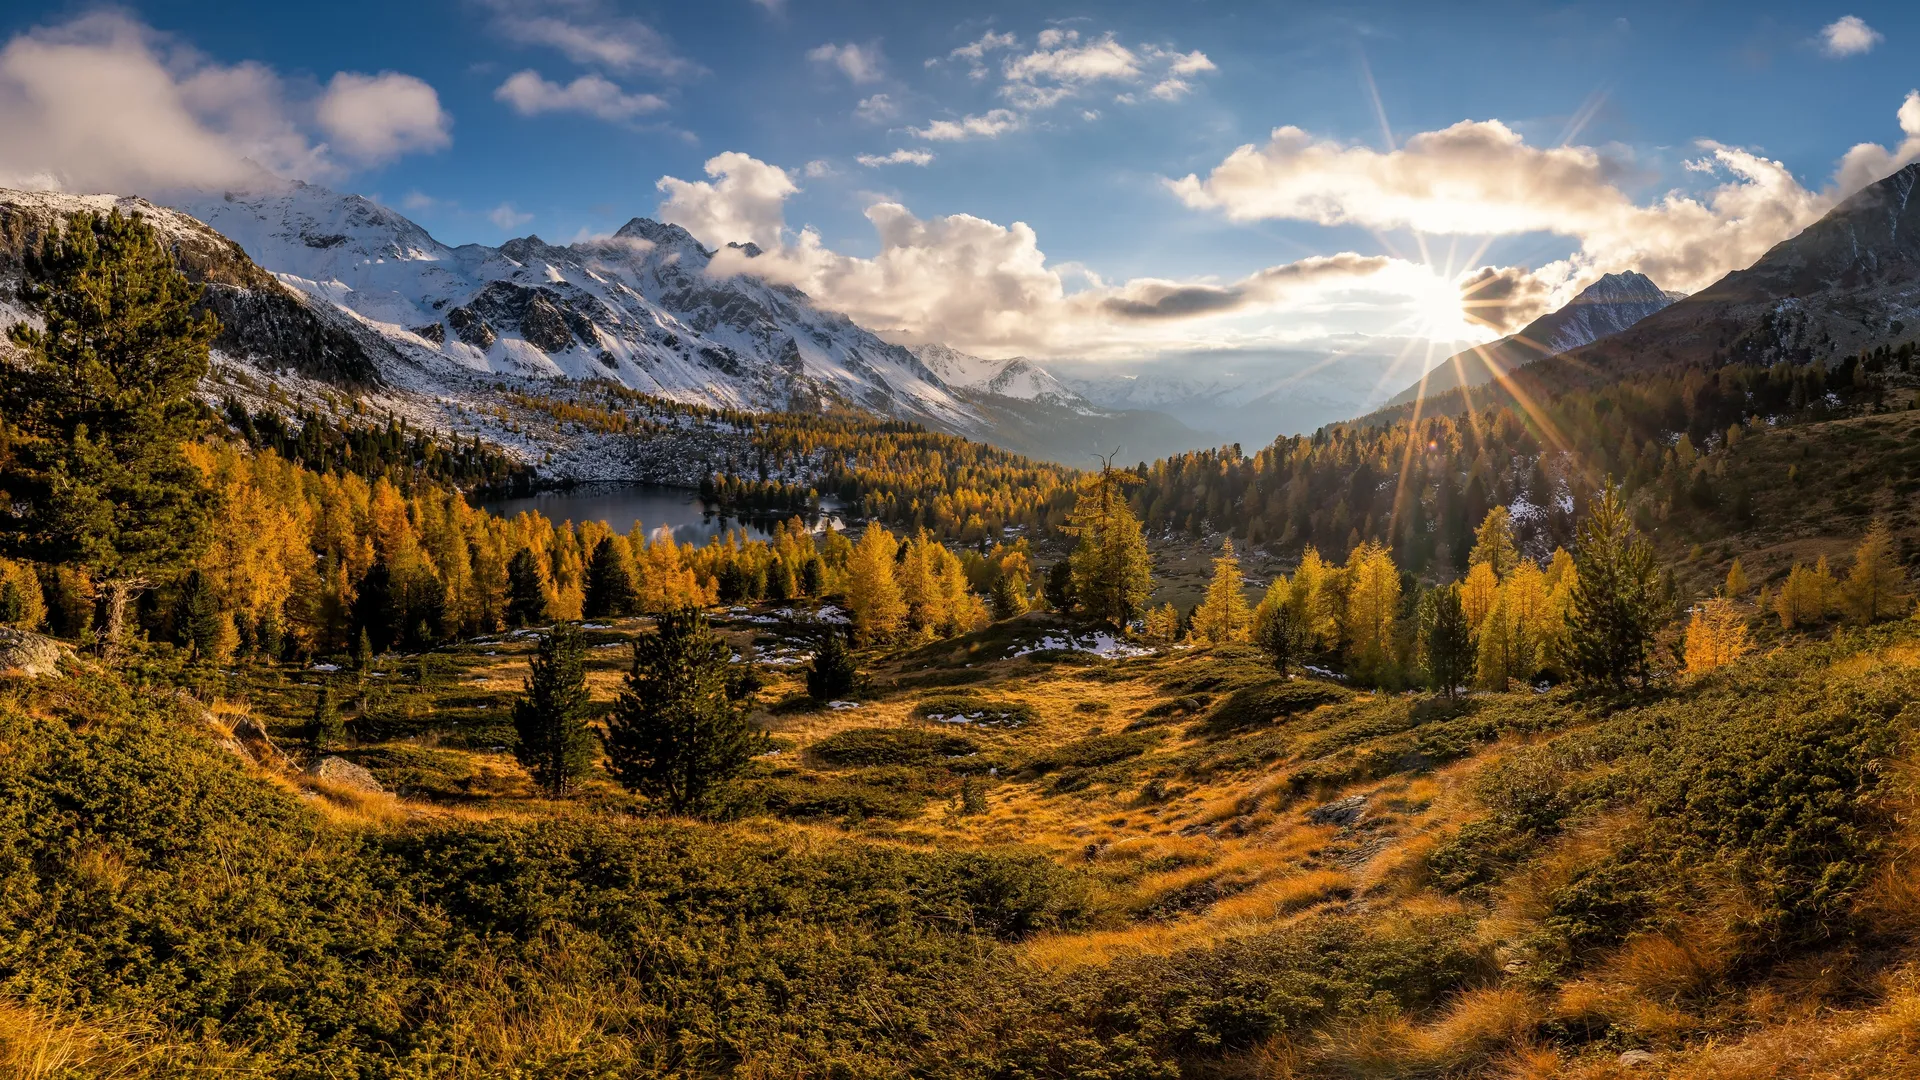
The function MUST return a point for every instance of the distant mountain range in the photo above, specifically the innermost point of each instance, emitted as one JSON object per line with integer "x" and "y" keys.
{"x": 318, "y": 289}
{"x": 1605, "y": 307}
{"x": 336, "y": 287}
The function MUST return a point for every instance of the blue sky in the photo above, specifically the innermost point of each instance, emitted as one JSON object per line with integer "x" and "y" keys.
{"x": 1085, "y": 162}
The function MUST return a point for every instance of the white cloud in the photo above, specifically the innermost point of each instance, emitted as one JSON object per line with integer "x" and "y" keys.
{"x": 589, "y": 32}
{"x": 414, "y": 202}
{"x": 530, "y": 95}
{"x": 815, "y": 169}
{"x": 741, "y": 204}
{"x": 1062, "y": 57}
{"x": 506, "y": 218}
{"x": 1171, "y": 89}
{"x": 1849, "y": 35}
{"x": 898, "y": 157}
{"x": 1481, "y": 178}
{"x": 775, "y": 7}
{"x": 104, "y": 103}
{"x": 375, "y": 118}
{"x": 984, "y": 126}
{"x": 859, "y": 63}
{"x": 1062, "y": 65}
{"x": 876, "y": 109}
{"x": 982, "y": 286}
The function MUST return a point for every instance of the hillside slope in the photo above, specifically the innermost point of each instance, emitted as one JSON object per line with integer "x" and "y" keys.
{"x": 1605, "y": 307}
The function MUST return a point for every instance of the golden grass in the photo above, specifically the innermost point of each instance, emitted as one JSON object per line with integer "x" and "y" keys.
{"x": 40, "y": 1045}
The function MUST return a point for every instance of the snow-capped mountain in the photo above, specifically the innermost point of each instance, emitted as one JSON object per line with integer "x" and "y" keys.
{"x": 638, "y": 307}
{"x": 1019, "y": 378}
{"x": 1603, "y": 308}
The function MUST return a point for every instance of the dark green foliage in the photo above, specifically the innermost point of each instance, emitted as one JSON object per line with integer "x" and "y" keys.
{"x": 813, "y": 576}
{"x": 610, "y": 586}
{"x": 1272, "y": 700}
{"x": 1449, "y": 643}
{"x": 1277, "y": 633}
{"x": 976, "y": 711}
{"x": 99, "y": 401}
{"x": 674, "y": 734}
{"x": 1006, "y": 600}
{"x": 556, "y": 745}
{"x": 69, "y": 600}
{"x": 1094, "y": 751}
{"x": 1060, "y": 591}
{"x": 1618, "y": 603}
{"x": 325, "y": 731}
{"x": 891, "y": 746}
{"x": 197, "y": 615}
{"x": 832, "y": 675}
{"x": 526, "y": 590}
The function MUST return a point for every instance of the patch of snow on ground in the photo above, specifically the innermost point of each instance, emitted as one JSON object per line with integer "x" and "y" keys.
{"x": 1100, "y": 643}
{"x": 324, "y": 667}
{"x": 842, "y": 706}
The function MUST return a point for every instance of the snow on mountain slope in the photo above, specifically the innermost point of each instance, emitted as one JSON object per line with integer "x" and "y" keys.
{"x": 637, "y": 307}
{"x": 1018, "y": 378}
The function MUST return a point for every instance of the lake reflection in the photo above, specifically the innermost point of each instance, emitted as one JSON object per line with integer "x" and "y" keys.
{"x": 659, "y": 507}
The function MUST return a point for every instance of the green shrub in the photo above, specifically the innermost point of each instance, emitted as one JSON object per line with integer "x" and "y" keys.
{"x": 891, "y": 746}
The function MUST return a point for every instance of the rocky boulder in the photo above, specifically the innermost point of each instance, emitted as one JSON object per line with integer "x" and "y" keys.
{"x": 340, "y": 772}
{"x": 28, "y": 655}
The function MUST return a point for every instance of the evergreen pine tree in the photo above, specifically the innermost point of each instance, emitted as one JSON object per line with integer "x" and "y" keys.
{"x": 833, "y": 673}
{"x": 198, "y": 615}
{"x": 610, "y": 586}
{"x": 99, "y": 402}
{"x": 1618, "y": 601}
{"x": 325, "y": 731}
{"x": 1009, "y": 596}
{"x": 674, "y": 734}
{"x": 1278, "y": 633}
{"x": 813, "y": 576}
{"x": 526, "y": 590}
{"x": 1059, "y": 587}
{"x": 556, "y": 745}
{"x": 1449, "y": 644}
{"x": 1112, "y": 572}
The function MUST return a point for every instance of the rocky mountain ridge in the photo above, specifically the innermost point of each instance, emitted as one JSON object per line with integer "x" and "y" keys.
{"x": 1608, "y": 306}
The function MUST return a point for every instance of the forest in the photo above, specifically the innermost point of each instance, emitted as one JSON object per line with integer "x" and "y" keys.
{"x": 332, "y": 773}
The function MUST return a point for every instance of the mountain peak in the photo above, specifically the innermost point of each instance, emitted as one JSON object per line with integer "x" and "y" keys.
{"x": 658, "y": 233}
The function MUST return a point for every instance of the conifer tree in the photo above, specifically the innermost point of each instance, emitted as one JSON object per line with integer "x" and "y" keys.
{"x": 1059, "y": 587}
{"x": 526, "y": 590}
{"x": 1498, "y": 650}
{"x": 833, "y": 674}
{"x": 1373, "y": 605}
{"x": 1009, "y": 596}
{"x": 674, "y": 734}
{"x": 1806, "y": 595}
{"x": 1449, "y": 644}
{"x": 873, "y": 592}
{"x": 197, "y": 616}
{"x": 1737, "y": 584}
{"x": 556, "y": 746}
{"x": 1223, "y": 616}
{"x": 611, "y": 591}
{"x": 1277, "y": 632}
{"x": 1716, "y": 636}
{"x": 99, "y": 403}
{"x": 325, "y": 732}
{"x": 1112, "y": 572}
{"x": 1493, "y": 543}
{"x": 1873, "y": 587}
{"x": 1162, "y": 625}
{"x": 1618, "y": 601}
